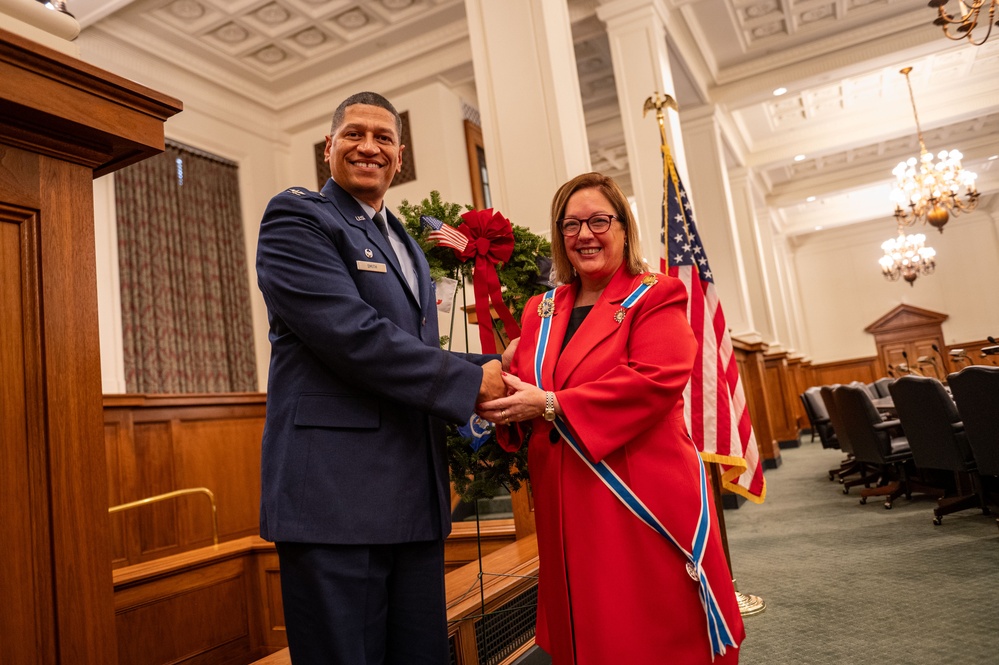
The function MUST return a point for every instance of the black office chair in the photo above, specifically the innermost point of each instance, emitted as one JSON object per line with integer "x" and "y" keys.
{"x": 936, "y": 437}
{"x": 877, "y": 443}
{"x": 881, "y": 385}
{"x": 818, "y": 417}
{"x": 850, "y": 466}
{"x": 976, "y": 392}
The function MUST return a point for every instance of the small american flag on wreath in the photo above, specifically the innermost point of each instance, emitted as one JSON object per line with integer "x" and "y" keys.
{"x": 444, "y": 235}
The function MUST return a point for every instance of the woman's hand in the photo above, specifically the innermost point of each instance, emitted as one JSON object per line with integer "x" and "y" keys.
{"x": 524, "y": 402}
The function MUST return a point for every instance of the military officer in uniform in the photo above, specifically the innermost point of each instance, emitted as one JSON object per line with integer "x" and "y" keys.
{"x": 354, "y": 479}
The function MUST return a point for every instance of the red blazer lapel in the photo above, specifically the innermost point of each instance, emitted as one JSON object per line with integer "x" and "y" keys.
{"x": 598, "y": 325}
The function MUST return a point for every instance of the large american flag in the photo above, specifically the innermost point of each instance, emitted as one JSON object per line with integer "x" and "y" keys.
{"x": 714, "y": 402}
{"x": 443, "y": 234}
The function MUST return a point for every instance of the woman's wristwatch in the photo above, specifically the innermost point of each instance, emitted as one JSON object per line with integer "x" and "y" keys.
{"x": 549, "y": 406}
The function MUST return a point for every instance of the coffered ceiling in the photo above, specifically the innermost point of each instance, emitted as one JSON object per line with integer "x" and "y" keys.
{"x": 823, "y": 150}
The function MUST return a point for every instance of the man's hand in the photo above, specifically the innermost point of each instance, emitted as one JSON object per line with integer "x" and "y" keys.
{"x": 508, "y": 354}
{"x": 492, "y": 382}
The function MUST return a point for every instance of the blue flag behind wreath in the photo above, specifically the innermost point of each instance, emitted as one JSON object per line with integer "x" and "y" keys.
{"x": 478, "y": 430}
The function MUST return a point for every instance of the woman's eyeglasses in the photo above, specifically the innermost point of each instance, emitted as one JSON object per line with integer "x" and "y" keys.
{"x": 598, "y": 223}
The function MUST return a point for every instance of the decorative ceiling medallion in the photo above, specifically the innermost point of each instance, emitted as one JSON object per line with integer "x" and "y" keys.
{"x": 272, "y": 14}
{"x": 761, "y": 9}
{"x": 353, "y": 19}
{"x": 816, "y": 14}
{"x": 231, "y": 33}
{"x": 396, "y": 4}
{"x": 768, "y": 30}
{"x": 310, "y": 37}
{"x": 187, "y": 9}
{"x": 270, "y": 55}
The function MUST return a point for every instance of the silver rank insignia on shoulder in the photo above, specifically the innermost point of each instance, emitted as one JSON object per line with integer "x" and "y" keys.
{"x": 546, "y": 308}
{"x": 619, "y": 315}
{"x": 296, "y": 192}
{"x": 359, "y": 218}
{"x": 650, "y": 279}
{"x": 368, "y": 253}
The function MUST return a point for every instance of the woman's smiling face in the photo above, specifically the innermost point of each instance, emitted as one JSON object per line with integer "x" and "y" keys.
{"x": 595, "y": 256}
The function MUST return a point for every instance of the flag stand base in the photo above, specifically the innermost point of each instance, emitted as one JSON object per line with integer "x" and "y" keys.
{"x": 748, "y": 603}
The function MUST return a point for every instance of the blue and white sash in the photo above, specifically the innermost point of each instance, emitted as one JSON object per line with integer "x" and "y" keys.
{"x": 718, "y": 631}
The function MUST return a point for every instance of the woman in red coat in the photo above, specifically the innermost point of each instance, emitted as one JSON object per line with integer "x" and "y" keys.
{"x": 632, "y": 568}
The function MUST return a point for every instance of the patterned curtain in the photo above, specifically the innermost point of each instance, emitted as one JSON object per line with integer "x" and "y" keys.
{"x": 185, "y": 294}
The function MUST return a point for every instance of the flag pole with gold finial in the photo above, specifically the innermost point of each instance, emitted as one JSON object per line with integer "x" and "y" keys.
{"x": 748, "y": 604}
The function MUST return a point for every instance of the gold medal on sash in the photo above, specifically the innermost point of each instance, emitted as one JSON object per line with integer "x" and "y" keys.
{"x": 649, "y": 280}
{"x": 546, "y": 308}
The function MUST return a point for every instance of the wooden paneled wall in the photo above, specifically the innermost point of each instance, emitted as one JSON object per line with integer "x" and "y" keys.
{"x": 161, "y": 443}
{"x": 867, "y": 369}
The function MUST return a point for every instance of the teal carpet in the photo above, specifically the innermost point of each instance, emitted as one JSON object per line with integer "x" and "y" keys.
{"x": 851, "y": 583}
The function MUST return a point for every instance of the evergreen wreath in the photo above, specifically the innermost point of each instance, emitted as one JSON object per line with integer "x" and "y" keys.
{"x": 481, "y": 473}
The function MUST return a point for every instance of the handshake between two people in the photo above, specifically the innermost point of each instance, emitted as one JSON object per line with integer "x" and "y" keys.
{"x": 504, "y": 398}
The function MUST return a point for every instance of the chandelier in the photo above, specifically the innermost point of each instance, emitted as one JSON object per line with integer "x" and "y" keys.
{"x": 930, "y": 189}
{"x": 970, "y": 9}
{"x": 907, "y": 257}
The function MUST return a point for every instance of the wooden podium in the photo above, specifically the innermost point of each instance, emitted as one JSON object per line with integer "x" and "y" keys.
{"x": 62, "y": 122}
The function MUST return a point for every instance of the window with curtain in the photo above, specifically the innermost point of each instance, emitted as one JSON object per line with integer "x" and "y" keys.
{"x": 185, "y": 295}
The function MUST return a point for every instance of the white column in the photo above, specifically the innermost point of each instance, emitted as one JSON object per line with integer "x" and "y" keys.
{"x": 528, "y": 92}
{"x": 755, "y": 237}
{"x": 784, "y": 261}
{"x": 729, "y": 246}
{"x": 637, "y": 34}
{"x": 108, "y": 287}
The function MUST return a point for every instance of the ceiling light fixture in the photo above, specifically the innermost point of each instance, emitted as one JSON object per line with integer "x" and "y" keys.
{"x": 968, "y": 21}
{"x": 780, "y": 91}
{"x": 799, "y": 158}
{"x": 907, "y": 257}
{"x": 931, "y": 189}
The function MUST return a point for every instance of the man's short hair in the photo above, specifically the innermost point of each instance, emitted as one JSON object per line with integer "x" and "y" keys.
{"x": 371, "y": 99}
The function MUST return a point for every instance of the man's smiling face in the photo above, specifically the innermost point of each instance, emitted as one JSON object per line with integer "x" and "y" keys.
{"x": 364, "y": 153}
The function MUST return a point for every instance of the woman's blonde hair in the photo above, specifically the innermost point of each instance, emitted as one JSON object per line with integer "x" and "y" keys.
{"x": 562, "y": 269}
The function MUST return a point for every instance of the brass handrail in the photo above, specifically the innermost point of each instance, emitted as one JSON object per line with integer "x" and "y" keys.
{"x": 170, "y": 495}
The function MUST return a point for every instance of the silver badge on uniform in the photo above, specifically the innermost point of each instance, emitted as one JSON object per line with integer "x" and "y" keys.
{"x": 368, "y": 253}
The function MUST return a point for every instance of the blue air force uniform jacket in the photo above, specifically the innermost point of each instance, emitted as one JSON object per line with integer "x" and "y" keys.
{"x": 359, "y": 389}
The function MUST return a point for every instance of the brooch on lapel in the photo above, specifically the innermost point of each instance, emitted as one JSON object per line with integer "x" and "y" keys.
{"x": 546, "y": 308}
{"x": 619, "y": 315}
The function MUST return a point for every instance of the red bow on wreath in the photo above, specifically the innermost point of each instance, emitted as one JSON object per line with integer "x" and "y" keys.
{"x": 490, "y": 241}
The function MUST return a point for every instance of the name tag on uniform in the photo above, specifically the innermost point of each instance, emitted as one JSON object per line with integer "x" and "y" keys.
{"x": 371, "y": 266}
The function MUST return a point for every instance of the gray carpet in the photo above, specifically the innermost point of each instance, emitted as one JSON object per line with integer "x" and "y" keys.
{"x": 846, "y": 583}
